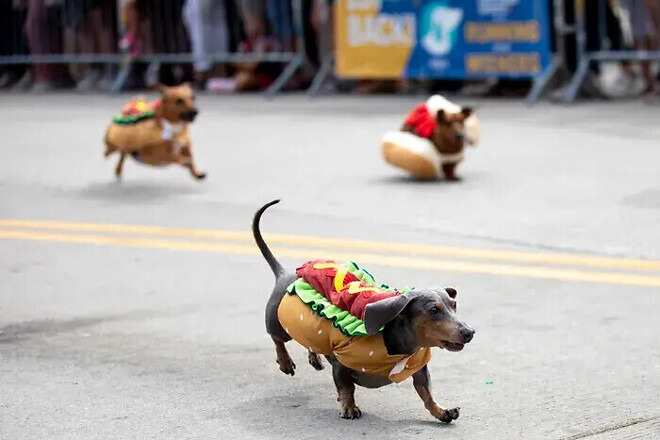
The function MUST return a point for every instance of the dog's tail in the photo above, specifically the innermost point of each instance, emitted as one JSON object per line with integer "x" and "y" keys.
{"x": 275, "y": 265}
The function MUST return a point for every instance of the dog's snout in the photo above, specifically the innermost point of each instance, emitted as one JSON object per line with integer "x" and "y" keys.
{"x": 190, "y": 115}
{"x": 467, "y": 333}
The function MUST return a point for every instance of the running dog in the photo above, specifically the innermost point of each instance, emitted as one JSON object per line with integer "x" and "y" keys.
{"x": 155, "y": 134}
{"x": 371, "y": 334}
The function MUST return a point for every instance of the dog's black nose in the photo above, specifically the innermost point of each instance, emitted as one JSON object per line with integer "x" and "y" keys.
{"x": 467, "y": 333}
{"x": 190, "y": 115}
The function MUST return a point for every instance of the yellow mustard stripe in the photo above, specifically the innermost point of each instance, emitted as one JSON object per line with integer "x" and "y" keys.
{"x": 337, "y": 243}
{"x": 354, "y": 287}
{"x": 366, "y": 258}
{"x": 322, "y": 266}
{"x": 340, "y": 276}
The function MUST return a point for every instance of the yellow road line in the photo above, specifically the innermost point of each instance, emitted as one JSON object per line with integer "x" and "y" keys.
{"x": 321, "y": 242}
{"x": 364, "y": 258}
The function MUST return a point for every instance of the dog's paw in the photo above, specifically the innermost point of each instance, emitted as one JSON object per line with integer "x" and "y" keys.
{"x": 315, "y": 361}
{"x": 351, "y": 412}
{"x": 200, "y": 176}
{"x": 287, "y": 367}
{"x": 449, "y": 414}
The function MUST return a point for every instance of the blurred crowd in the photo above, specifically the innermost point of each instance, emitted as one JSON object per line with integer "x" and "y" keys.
{"x": 135, "y": 28}
{"x": 139, "y": 27}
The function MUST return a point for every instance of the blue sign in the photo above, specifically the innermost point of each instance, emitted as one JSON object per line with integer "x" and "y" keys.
{"x": 476, "y": 38}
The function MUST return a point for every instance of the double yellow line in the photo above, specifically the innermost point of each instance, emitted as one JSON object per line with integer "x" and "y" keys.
{"x": 555, "y": 266}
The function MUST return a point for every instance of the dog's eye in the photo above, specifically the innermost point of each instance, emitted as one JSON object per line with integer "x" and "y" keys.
{"x": 180, "y": 101}
{"x": 434, "y": 310}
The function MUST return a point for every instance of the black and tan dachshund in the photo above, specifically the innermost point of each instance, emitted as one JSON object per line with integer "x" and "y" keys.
{"x": 404, "y": 324}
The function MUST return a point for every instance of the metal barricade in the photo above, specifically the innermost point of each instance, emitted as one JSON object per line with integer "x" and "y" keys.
{"x": 557, "y": 68}
{"x": 54, "y": 36}
{"x": 585, "y": 57}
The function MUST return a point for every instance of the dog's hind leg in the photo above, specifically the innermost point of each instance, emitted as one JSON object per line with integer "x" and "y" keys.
{"x": 187, "y": 160}
{"x": 449, "y": 170}
{"x": 109, "y": 149}
{"x": 279, "y": 335}
{"x": 345, "y": 390}
{"x": 194, "y": 172}
{"x": 314, "y": 360}
{"x": 283, "y": 358}
{"x": 120, "y": 165}
{"x": 422, "y": 383}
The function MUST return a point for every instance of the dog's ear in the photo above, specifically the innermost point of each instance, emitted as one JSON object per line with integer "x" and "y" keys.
{"x": 451, "y": 292}
{"x": 379, "y": 313}
{"x": 158, "y": 86}
{"x": 441, "y": 116}
{"x": 466, "y": 112}
{"x": 400, "y": 336}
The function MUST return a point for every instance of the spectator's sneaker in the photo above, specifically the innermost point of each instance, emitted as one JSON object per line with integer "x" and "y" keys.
{"x": 42, "y": 86}
{"x": 131, "y": 44}
{"x": 221, "y": 85}
{"x": 625, "y": 84}
{"x": 24, "y": 83}
{"x": 589, "y": 90}
{"x": 89, "y": 80}
{"x": 106, "y": 82}
{"x": 7, "y": 80}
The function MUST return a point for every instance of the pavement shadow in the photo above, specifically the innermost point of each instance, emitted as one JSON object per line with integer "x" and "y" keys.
{"x": 137, "y": 191}
{"x": 409, "y": 180}
{"x": 287, "y": 413}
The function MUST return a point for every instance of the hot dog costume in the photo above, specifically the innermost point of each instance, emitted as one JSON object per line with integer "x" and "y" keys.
{"x": 324, "y": 310}
{"x": 415, "y": 152}
{"x": 137, "y": 128}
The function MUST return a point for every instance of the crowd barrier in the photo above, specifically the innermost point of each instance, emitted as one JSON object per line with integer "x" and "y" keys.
{"x": 367, "y": 39}
{"x": 586, "y": 56}
{"x": 90, "y": 32}
{"x": 523, "y": 39}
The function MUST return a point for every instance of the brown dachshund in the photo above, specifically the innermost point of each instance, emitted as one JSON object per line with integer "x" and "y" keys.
{"x": 448, "y": 137}
{"x": 396, "y": 344}
{"x": 156, "y": 134}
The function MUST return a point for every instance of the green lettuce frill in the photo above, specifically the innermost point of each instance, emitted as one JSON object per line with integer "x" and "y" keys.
{"x": 348, "y": 324}
{"x": 133, "y": 119}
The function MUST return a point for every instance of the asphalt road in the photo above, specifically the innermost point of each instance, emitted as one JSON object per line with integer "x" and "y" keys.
{"x": 135, "y": 309}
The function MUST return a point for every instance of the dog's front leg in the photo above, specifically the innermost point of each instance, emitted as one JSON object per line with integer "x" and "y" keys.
{"x": 422, "y": 382}
{"x": 287, "y": 366}
{"x": 449, "y": 170}
{"x": 120, "y": 165}
{"x": 186, "y": 159}
{"x": 345, "y": 392}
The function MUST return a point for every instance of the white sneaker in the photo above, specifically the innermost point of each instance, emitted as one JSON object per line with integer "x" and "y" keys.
{"x": 88, "y": 82}
{"x": 24, "y": 83}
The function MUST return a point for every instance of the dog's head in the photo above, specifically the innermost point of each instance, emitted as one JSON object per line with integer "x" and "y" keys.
{"x": 449, "y": 133}
{"x": 420, "y": 318}
{"x": 177, "y": 103}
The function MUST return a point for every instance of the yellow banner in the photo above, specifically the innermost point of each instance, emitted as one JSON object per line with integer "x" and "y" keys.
{"x": 371, "y": 44}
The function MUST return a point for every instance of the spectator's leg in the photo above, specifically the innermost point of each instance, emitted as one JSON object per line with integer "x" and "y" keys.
{"x": 640, "y": 23}
{"x": 217, "y": 30}
{"x": 36, "y": 33}
{"x": 653, "y": 7}
{"x": 592, "y": 29}
{"x": 196, "y": 17}
{"x": 252, "y": 12}
{"x": 280, "y": 16}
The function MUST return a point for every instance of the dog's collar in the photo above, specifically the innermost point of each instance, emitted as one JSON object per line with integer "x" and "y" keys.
{"x": 171, "y": 129}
